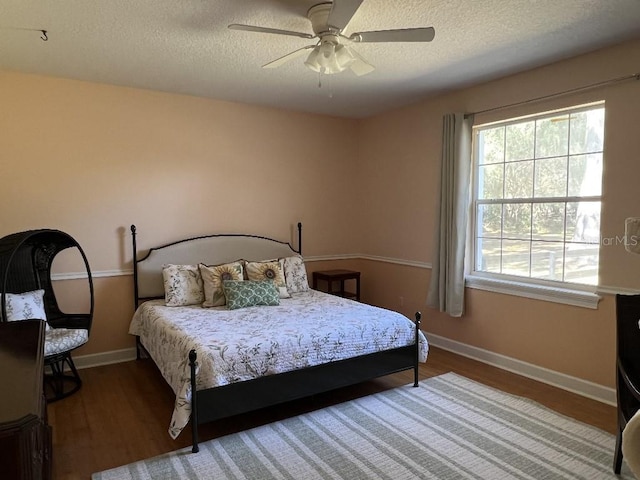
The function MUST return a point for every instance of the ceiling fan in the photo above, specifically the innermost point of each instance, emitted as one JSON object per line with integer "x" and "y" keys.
{"x": 333, "y": 53}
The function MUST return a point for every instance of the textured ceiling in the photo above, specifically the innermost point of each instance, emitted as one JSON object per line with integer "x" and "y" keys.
{"x": 184, "y": 46}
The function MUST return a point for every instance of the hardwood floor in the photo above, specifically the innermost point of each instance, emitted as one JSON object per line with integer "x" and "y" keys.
{"x": 122, "y": 411}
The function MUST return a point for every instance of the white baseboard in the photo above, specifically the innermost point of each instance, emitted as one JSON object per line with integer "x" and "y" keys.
{"x": 551, "y": 377}
{"x": 104, "y": 358}
{"x": 557, "y": 379}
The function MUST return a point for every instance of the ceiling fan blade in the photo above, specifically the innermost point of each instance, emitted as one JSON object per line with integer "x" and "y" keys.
{"x": 341, "y": 12}
{"x": 251, "y": 28}
{"x": 289, "y": 56}
{"x": 360, "y": 66}
{"x": 400, "y": 35}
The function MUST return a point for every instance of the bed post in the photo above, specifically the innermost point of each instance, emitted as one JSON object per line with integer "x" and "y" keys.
{"x": 300, "y": 238}
{"x": 194, "y": 410}
{"x": 135, "y": 282}
{"x": 135, "y": 267}
{"x": 417, "y": 360}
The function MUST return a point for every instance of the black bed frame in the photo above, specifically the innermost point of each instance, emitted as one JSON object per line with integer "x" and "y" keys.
{"x": 242, "y": 397}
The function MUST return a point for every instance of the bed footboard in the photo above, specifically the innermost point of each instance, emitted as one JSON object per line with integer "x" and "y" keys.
{"x": 242, "y": 397}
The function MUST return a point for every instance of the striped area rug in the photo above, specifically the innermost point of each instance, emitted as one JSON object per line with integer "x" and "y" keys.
{"x": 448, "y": 428}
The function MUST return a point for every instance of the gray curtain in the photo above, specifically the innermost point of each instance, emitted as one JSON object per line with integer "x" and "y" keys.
{"x": 446, "y": 291}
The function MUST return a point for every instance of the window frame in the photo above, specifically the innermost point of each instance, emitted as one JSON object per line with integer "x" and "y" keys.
{"x": 559, "y": 291}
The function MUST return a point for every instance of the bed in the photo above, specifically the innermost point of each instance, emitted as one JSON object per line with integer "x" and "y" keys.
{"x": 269, "y": 339}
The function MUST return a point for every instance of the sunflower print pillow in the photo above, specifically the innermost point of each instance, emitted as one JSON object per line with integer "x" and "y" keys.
{"x": 271, "y": 270}
{"x": 212, "y": 278}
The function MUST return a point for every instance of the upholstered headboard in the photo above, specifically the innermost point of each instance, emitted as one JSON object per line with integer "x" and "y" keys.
{"x": 210, "y": 250}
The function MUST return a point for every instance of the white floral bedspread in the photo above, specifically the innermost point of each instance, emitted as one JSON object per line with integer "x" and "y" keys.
{"x": 236, "y": 345}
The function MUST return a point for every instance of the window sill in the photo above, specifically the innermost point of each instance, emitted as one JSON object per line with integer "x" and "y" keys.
{"x": 567, "y": 296}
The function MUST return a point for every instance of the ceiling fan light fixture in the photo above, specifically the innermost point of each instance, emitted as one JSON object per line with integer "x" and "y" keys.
{"x": 344, "y": 57}
{"x": 327, "y": 50}
{"x": 329, "y": 58}
{"x": 312, "y": 60}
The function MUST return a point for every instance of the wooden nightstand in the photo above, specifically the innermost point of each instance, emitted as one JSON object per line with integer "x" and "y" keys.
{"x": 331, "y": 276}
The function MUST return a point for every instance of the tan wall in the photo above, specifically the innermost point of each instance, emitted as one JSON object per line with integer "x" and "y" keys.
{"x": 575, "y": 341}
{"x": 399, "y": 160}
{"x": 91, "y": 159}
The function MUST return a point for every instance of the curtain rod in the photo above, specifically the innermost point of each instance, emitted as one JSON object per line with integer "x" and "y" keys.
{"x": 635, "y": 76}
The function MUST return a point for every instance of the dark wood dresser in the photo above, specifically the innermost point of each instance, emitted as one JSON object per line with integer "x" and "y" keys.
{"x": 25, "y": 436}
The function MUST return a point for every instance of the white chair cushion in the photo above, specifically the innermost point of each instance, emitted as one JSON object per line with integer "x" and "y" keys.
{"x": 59, "y": 340}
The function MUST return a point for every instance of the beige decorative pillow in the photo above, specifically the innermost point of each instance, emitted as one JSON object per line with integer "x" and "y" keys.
{"x": 269, "y": 270}
{"x": 213, "y": 276}
{"x": 295, "y": 274}
{"x": 182, "y": 285}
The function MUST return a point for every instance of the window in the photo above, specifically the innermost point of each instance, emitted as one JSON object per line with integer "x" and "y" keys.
{"x": 537, "y": 197}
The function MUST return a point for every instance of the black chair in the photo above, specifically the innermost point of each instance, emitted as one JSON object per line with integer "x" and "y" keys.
{"x": 25, "y": 272}
{"x": 628, "y": 366}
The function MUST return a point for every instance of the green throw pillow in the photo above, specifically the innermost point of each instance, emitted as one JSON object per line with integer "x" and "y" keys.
{"x": 242, "y": 294}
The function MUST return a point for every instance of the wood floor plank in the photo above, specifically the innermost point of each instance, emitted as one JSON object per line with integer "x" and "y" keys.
{"x": 121, "y": 413}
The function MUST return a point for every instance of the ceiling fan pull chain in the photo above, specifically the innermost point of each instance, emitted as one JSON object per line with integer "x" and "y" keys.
{"x": 330, "y": 92}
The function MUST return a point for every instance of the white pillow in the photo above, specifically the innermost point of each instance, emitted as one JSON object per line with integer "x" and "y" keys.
{"x": 295, "y": 274}
{"x": 23, "y": 306}
{"x": 182, "y": 285}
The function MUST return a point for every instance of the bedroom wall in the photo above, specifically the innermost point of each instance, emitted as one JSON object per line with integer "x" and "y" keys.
{"x": 400, "y": 155}
{"x": 92, "y": 159}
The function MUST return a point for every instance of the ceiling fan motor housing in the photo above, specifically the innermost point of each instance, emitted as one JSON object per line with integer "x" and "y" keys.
{"x": 319, "y": 16}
